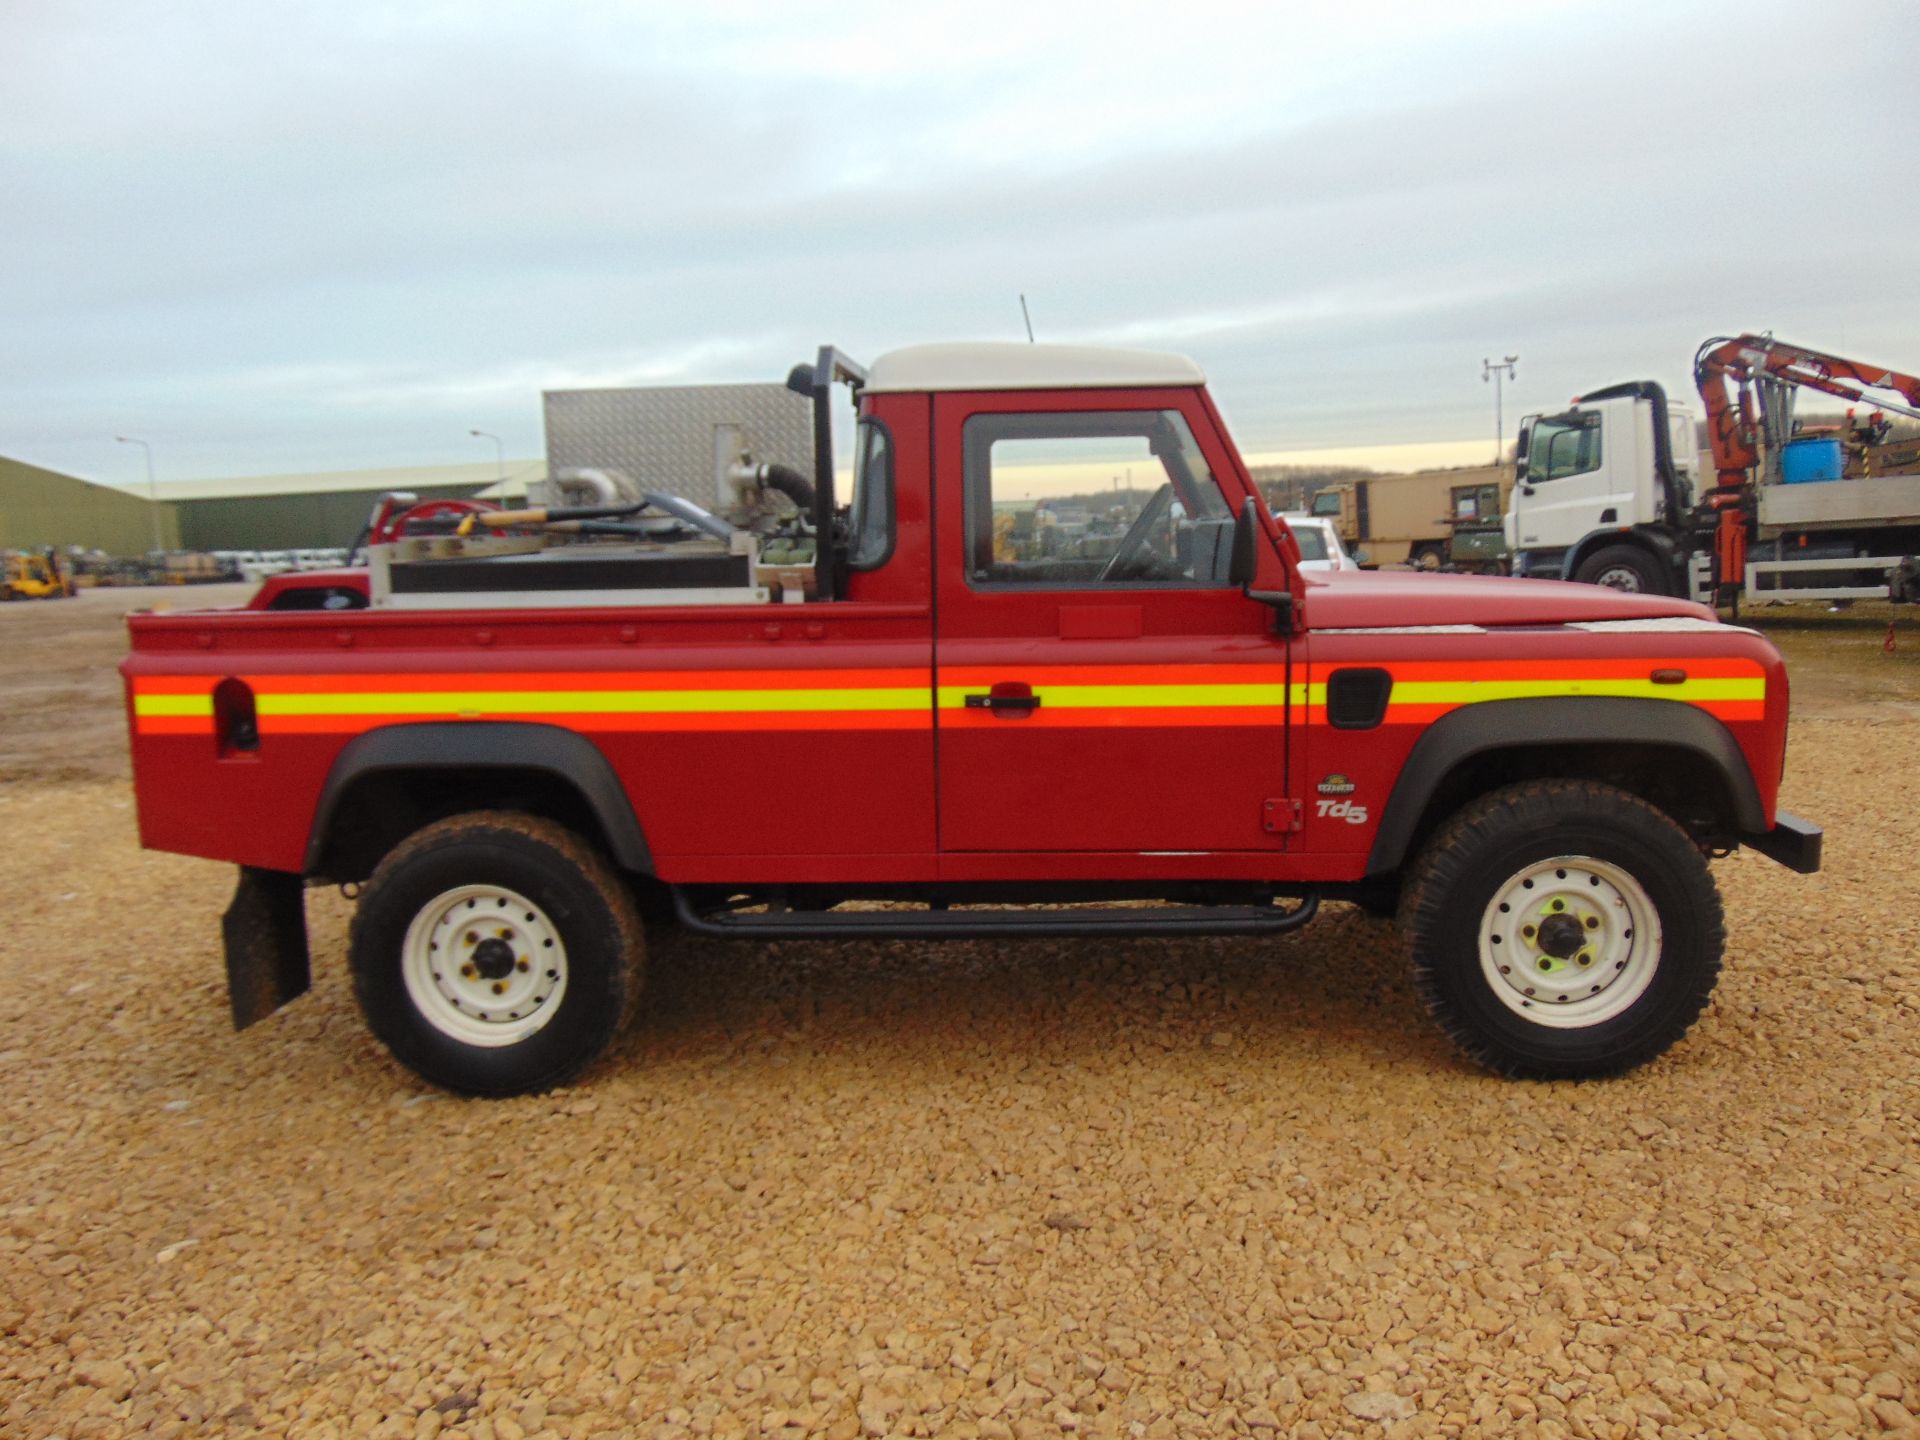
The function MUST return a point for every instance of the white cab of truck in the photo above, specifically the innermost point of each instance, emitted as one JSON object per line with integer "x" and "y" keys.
{"x": 1597, "y": 487}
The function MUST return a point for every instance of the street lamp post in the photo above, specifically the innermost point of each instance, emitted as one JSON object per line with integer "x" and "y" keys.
{"x": 1490, "y": 371}
{"x": 499, "y": 451}
{"x": 153, "y": 491}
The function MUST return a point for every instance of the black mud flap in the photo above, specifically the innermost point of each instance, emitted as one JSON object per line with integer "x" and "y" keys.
{"x": 265, "y": 930}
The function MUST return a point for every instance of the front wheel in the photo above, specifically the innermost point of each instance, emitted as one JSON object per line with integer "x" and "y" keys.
{"x": 1562, "y": 929}
{"x": 496, "y": 954}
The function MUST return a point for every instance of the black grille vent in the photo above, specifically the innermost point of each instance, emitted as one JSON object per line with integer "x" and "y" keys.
{"x": 1357, "y": 699}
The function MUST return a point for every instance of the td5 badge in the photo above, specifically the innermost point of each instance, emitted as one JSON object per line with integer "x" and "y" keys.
{"x": 1334, "y": 809}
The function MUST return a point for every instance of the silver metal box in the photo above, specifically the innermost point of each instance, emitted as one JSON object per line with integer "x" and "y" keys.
{"x": 678, "y": 439}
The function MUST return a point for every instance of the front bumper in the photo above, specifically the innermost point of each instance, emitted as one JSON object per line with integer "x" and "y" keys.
{"x": 1794, "y": 842}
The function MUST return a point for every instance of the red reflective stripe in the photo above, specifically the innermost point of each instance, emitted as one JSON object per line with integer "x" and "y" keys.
{"x": 1462, "y": 671}
{"x": 604, "y": 724}
{"x": 544, "y": 681}
{"x": 1080, "y": 717}
{"x": 1249, "y": 674}
{"x": 1427, "y": 714}
{"x": 173, "y": 725}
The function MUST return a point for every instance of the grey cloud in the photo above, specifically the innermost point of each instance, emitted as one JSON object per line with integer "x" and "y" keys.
{"x": 242, "y": 236}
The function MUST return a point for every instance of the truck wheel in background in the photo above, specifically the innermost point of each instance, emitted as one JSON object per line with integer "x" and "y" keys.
{"x": 1428, "y": 557}
{"x": 1623, "y": 567}
{"x": 1562, "y": 929}
{"x": 496, "y": 953}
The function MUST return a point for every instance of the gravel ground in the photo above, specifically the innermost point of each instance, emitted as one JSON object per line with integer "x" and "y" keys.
{"x": 1136, "y": 1188}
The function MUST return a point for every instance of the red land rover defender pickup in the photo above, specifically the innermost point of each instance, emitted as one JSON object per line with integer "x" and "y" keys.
{"x": 519, "y": 732}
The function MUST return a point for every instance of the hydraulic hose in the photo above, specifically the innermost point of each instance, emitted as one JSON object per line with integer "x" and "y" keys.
{"x": 790, "y": 483}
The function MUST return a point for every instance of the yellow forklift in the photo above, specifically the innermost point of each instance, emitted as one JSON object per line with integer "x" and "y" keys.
{"x": 34, "y": 577}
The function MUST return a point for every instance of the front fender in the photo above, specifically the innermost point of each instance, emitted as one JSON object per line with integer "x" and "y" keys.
{"x": 1560, "y": 721}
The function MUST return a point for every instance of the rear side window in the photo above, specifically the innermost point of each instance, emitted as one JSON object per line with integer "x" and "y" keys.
{"x": 871, "y": 523}
{"x": 1092, "y": 499}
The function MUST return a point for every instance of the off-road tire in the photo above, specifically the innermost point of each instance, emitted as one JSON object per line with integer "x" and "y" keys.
{"x": 1627, "y": 560}
{"x": 1471, "y": 862}
{"x": 579, "y": 898}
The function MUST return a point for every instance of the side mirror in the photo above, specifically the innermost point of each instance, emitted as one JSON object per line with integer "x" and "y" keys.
{"x": 1243, "y": 567}
{"x": 1243, "y": 564}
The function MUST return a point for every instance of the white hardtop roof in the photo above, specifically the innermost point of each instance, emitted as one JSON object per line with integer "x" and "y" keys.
{"x": 1007, "y": 365}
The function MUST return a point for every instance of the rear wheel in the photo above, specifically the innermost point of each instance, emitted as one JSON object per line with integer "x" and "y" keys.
{"x": 496, "y": 954}
{"x": 1623, "y": 567}
{"x": 1562, "y": 929}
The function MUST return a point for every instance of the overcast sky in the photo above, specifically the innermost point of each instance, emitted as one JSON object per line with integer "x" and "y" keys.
{"x": 273, "y": 237}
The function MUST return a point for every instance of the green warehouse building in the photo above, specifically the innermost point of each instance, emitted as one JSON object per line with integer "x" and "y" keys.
{"x": 41, "y": 507}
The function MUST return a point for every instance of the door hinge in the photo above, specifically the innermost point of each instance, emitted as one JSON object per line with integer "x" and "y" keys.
{"x": 1282, "y": 817}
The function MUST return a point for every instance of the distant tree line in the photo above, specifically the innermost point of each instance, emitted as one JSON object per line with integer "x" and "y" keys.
{"x": 1291, "y": 487}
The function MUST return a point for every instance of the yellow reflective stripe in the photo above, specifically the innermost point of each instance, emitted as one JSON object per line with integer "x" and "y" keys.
{"x": 173, "y": 704}
{"x": 1128, "y": 697}
{"x": 1405, "y": 692}
{"x": 1468, "y": 692}
{"x": 591, "y": 702}
{"x": 950, "y": 697}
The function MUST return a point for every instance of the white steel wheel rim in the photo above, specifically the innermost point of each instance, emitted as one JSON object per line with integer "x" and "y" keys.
{"x": 484, "y": 965}
{"x": 1619, "y": 577}
{"x": 1569, "y": 942}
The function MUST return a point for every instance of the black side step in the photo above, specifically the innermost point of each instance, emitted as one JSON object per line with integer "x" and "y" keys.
{"x": 985, "y": 924}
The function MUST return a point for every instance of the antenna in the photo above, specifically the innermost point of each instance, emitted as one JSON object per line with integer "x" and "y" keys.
{"x": 1026, "y": 317}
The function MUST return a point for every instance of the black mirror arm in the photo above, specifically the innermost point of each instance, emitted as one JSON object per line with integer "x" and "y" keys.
{"x": 1280, "y": 600}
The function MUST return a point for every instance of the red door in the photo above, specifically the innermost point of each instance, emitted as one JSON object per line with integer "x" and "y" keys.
{"x": 1100, "y": 686}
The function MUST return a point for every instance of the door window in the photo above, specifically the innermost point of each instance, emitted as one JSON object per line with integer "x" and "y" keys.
{"x": 1563, "y": 445}
{"x": 1109, "y": 498}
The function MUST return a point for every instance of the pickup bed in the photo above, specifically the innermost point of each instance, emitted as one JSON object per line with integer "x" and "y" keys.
{"x": 1148, "y": 722}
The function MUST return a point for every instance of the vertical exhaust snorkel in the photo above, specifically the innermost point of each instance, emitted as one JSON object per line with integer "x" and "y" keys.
{"x": 816, "y": 382}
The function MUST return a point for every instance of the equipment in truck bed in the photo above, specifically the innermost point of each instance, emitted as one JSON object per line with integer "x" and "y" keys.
{"x": 649, "y": 544}
{"x": 429, "y": 574}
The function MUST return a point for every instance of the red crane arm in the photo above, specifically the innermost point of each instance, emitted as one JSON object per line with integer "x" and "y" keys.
{"x": 1724, "y": 370}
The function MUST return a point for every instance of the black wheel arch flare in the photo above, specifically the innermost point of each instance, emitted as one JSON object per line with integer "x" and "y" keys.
{"x": 1569, "y": 721}
{"x": 570, "y": 757}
